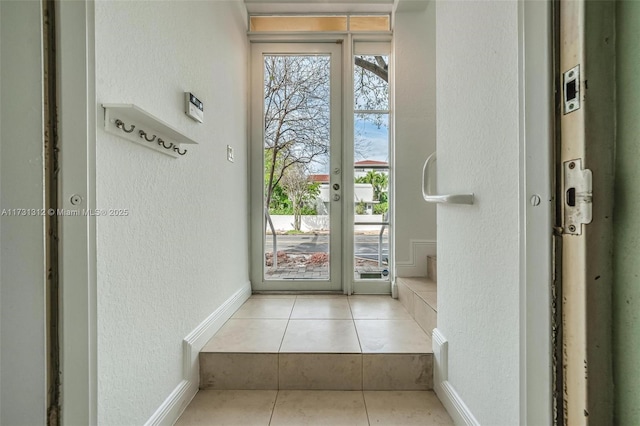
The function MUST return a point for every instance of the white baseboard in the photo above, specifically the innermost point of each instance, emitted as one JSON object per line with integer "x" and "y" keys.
{"x": 447, "y": 394}
{"x": 181, "y": 396}
{"x": 417, "y": 265}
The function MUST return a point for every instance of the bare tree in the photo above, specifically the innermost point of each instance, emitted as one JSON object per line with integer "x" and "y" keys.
{"x": 371, "y": 76}
{"x": 297, "y": 113}
{"x": 297, "y": 109}
{"x": 299, "y": 190}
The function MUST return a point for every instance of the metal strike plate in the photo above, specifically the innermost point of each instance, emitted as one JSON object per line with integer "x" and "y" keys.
{"x": 571, "y": 90}
{"x": 578, "y": 197}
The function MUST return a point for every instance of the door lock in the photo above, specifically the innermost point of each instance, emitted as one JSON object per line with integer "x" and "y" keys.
{"x": 578, "y": 197}
{"x": 572, "y": 90}
{"x": 336, "y": 197}
{"x": 336, "y": 186}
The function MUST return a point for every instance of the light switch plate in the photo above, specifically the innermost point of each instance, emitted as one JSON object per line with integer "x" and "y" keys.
{"x": 230, "y": 153}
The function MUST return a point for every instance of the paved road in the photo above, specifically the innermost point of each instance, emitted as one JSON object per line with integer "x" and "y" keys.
{"x": 366, "y": 245}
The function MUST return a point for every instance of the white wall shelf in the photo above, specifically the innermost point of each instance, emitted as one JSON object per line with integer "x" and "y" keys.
{"x": 137, "y": 125}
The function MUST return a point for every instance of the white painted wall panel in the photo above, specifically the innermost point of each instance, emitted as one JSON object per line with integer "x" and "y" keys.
{"x": 22, "y": 241}
{"x": 478, "y": 245}
{"x": 415, "y": 102}
{"x": 183, "y": 249}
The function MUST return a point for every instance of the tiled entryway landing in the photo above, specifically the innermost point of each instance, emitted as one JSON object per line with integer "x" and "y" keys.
{"x": 318, "y": 343}
{"x": 335, "y": 408}
{"x": 326, "y": 324}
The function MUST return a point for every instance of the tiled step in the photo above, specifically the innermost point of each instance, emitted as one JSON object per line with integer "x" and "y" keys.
{"x": 419, "y": 297}
{"x": 319, "y": 343}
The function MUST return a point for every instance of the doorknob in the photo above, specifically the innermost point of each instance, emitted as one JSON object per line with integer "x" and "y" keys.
{"x": 433, "y": 198}
{"x": 336, "y": 197}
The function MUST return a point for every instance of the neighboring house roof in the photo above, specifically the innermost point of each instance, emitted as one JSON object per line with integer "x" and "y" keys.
{"x": 319, "y": 178}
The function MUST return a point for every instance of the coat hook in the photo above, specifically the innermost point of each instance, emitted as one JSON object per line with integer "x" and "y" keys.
{"x": 177, "y": 149}
{"x": 120, "y": 125}
{"x": 161, "y": 142}
{"x": 143, "y": 134}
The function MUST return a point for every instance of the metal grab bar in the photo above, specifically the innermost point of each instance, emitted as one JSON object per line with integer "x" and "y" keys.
{"x": 429, "y": 197}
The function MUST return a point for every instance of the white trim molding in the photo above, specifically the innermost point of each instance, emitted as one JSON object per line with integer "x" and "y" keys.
{"x": 175, "y": 404}
{"x": 447, "y": 394}
{"x": 418, "y": 252}
{"x": 76, "y": 108}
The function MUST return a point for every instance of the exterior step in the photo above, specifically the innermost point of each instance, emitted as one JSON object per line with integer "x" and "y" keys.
{"x": 419, "y": 297}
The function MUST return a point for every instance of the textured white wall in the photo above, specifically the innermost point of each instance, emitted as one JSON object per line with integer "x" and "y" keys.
{"x": 478, "y": 246}
{"x": 183, "y": 249}
{"x": 22, "y": 277}
{"x": 415, "y": 101}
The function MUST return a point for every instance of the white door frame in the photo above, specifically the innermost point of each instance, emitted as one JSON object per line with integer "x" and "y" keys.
{"x": 77, "y": 113}
{"x": 536, "y": 217}
{"x": 257, "y": 166}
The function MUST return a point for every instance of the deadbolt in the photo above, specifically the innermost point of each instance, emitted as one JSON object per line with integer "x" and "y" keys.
{"x": 336, "y": 186}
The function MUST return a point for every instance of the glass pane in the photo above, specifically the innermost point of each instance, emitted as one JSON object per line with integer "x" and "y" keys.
{"x": 371, "y": 140}
{"x": 371, "y": 248}
{"x": 369, "y": 23}
{"x": 296, "y": 166}
{"x": 298, "y": 23}
{"x": 371, "y": 82}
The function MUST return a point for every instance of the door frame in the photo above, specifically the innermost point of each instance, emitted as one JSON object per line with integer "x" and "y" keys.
{"x": 536, "y": 210}
{"x": 256, "y": 149}
{"x": 586, "y": 38}
{"x": 77, "y": 114}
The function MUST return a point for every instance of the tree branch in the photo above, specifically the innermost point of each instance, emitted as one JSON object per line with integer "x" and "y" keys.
{"x": 380, "y": 71}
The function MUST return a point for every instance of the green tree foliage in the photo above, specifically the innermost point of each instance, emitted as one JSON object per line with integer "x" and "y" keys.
{"x": 379, "y": 182}
{"x": 381, "y": 208}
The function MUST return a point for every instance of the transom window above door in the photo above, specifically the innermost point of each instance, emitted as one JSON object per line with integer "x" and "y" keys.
{"x": 320, "y": 23}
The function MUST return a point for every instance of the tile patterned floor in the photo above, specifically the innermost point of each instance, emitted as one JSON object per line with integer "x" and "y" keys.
{"x": 307, "y": 333}
{"x": 335, "y": 408}
{"x": 320, "y": 324}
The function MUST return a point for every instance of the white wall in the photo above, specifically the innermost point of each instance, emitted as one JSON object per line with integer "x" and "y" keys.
{"x": 22, "y": 243}
{"x": 479, "y": 246}
{"x": 183, "y": 249}
{"x": 415, "y": 118}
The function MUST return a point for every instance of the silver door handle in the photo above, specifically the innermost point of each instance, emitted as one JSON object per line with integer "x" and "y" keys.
{"x": 429, "y": 197}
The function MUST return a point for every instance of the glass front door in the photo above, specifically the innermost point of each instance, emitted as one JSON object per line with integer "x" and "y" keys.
{"x": 296, "y": 166}
{"x": 322, "y": 181}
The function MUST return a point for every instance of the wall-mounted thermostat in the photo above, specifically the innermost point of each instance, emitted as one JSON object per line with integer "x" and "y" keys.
{"x": 194, "y": 108}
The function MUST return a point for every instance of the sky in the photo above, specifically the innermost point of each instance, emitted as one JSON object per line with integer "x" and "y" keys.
{"x": 377, "y": 139}
{"x": 373, "y": 140}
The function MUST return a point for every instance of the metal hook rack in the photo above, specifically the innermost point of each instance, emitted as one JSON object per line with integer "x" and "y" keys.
{"x": 153, "y": 133}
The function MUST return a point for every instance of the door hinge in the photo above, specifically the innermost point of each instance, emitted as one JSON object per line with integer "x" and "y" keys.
{"x": 578, "y": 197}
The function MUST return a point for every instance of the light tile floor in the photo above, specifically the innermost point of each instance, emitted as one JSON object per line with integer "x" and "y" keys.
{"x": 335, "y": 408}
{"x": 320, "y": 324}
